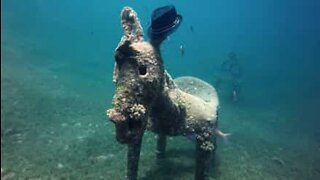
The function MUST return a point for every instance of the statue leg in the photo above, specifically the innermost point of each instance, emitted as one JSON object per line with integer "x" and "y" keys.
{"x": 133, "y": 159}
{"x": 203, "y": 159}
{"x": 161, "y": 146}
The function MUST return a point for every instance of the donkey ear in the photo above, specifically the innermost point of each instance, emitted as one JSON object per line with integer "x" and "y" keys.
{"x": 123, "y": 51}
{"x": 133, "y": 33}
{"x": 131, "y": 25}
{"x": 124, "y": 46}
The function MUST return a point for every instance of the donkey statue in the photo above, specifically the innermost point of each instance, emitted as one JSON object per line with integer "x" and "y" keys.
{"x": 146, "y": 97}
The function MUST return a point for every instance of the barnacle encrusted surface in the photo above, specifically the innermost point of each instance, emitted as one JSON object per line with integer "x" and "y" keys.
{"x": 201, "y": 105}
{"x": 137, "y": 111}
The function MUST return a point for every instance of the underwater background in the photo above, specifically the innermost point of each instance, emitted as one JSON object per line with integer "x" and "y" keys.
{"x": 57, "y": 59}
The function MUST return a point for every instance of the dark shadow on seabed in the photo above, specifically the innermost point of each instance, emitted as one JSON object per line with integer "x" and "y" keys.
{"x": 178, "y": 164}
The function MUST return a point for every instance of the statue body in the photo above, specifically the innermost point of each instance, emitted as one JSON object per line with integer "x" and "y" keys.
{"x": 147, "y": 98}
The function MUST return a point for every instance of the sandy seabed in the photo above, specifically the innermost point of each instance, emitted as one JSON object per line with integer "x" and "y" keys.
{"x": 52, "y": 128}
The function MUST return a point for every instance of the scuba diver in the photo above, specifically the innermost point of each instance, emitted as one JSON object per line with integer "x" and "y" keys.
{"x": 232, "y": 66}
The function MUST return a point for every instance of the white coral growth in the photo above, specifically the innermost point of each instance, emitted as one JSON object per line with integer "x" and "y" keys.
{"x": 137, "y": 110}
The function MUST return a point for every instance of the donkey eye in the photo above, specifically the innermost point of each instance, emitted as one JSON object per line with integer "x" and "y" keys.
{"x": 142, "y": 70}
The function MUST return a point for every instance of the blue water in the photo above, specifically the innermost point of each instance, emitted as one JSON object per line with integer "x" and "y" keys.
{"x": 56, "y": 83}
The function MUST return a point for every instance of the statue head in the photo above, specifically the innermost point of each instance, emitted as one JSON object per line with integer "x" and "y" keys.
{"x": 138, "y": 76}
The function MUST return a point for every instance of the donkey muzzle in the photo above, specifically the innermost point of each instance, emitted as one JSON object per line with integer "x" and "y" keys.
{"x": 127, "y": 129}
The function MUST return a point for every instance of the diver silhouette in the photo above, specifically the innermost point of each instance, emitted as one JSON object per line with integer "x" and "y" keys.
{"x": 232, "y": 66}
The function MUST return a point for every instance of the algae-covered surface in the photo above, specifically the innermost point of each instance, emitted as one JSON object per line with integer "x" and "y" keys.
{"x": 56, "y": 83}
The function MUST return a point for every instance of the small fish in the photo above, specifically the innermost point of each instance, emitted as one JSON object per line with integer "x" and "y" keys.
{"x": 191, "y": 28}
{"x": 181, "y": 49}
{"x": 221, "y": 134}
{"x": 234, "y": 96}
